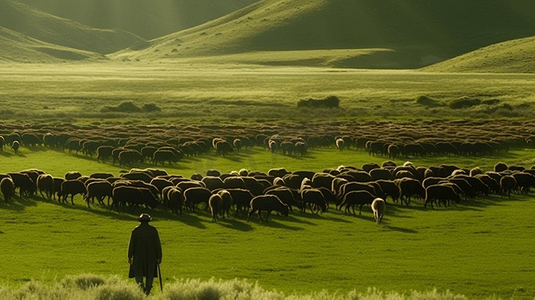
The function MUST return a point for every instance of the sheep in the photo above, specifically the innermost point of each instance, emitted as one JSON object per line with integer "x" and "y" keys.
{"x": 72, "y": 175}
{"x": 410, "y": 187}
{"x": 378, "y": 174}
{"x": 72, "y": 188}
{"x": 356, "y": 198}
{"x": 7, "y": 186}
{"x": 268, "y": 203}
{"x": 524, "y": 181}
{"x": 24, "y": 183}
{"x": 500, "y": 167}
{"x": 220, "y": 204}
{"x": 315, "y": 198}
{"x": 175, "y": 201}
{"x": 215, "y": 202}
{"x": 390, "y": 189}
{"x": 133, "y": 196}
{"x": 340, "y": 144}
{"x": 45, "y": 183}
{"x": 160, "y": 183}
{"x": 2, "y": 143}
{"x": 195, "y": 195}
{"x": 100, "y": 190}
{"x": 440, "y": 192}
{"x": 378, "y": 207}
{"x": 15, "y": 147}
{"x": 162, "y": 156}
{"x": 241, "y": 198}
{"x": 104, "y": 153}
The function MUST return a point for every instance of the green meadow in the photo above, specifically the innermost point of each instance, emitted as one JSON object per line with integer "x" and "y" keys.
{"x": 480, "y": 248}
{"x": 224, "y": 93}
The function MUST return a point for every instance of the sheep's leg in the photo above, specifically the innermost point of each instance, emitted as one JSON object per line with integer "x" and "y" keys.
{"x": 360, "y": 209}
{"x": 267, "y": 216}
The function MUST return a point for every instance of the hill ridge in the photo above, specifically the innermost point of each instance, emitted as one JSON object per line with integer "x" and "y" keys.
{"x": 33, "y": 23}
{"x": 419, "y": 32}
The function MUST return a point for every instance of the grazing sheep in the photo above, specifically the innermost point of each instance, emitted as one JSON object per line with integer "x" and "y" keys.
{"x": 161, "y": 183}
{"x": 15, "y": 147}
{"x": 215, "y": 202}
{"x": 163, "y": 156}
{"x": 280, "y": 172}
{"x": 72, "y": 175}
{"x": 175, "y": 201}
{"x": 104, "y": 153}
{"x": 356, "y": 198}
{"x": 500, "y": 167}
{"x": 378, "y": 207}
{"x": 72, "y": 188}
{"x": 2, "y": 143}
{"x": 57, "y": 187}
{"x": 390, "y": 189}
{"x": 524, "y": 181}
{"x": 267, "y": 203}
{"x": 132, "y": 196}
{"x": 8, "y": 188}
{"x": 315, "y": 200}
{"x": 241, "y": 198}
{"x": 378, "y": 174}
{"x": 195, "y": 195}
{"x": 45, "y": 183}
{"x": 129, "y": 157}
{"x": 340, "y": 144}
{"x": 410, "y": 187}
{"x": 100, "y": 190}
{"x": 476, "y": 171}
{"x": 24, "y": 183}
{"x": 440, "y": 193}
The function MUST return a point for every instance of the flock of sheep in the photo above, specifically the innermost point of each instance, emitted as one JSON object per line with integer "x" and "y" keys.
{"x": 247, "y": 192}
{"x": 131, "y": 145}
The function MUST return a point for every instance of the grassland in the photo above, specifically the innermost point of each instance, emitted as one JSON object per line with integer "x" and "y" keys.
{"x": 480, "y": 248}
{"x": 190, "y": 91}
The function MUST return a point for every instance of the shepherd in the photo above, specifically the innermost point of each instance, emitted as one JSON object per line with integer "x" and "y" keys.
{"x": 144, "y": 253}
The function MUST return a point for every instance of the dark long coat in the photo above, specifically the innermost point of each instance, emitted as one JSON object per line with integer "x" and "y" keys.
{"x": 145, "y": 248}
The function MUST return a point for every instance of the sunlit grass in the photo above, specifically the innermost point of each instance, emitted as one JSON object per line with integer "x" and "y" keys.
{"x": 229, "y": 93}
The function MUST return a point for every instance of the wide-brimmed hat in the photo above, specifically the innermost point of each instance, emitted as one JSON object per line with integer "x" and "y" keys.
{"x": 144, "y": 217}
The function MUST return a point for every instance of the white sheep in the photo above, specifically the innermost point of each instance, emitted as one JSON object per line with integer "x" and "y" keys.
{"x": 378, "y": 207}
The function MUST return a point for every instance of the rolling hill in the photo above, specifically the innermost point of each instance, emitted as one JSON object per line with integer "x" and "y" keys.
{"x": 19, "y": 48}
{"x": 516, "y": 56}
{"x": 417, "y": 32}
{"x": 147, "y": 19}
{"x": 36, "y": 24}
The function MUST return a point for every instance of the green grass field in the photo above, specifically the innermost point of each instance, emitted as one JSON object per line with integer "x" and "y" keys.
{"x": 199, "y": 93}
{"x": 481, "y": 248}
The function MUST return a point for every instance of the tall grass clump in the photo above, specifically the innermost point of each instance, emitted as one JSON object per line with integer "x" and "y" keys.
{"x": 92, "y": 287}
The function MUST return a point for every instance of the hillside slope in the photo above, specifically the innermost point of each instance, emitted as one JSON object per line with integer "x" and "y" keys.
{"x": 19, "y": 48}
{"x": 420, "y": 32}
{"x": 147, "y": 19}
{"x": 516, "y": 56}
{"x": 51, "y": 29}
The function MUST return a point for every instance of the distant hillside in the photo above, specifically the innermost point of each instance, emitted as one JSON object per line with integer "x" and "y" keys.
{"x": 51, "y": 29}
{"x": 16, "y": 47}
{"x": 516, "y": 56}
{"x": 147, "y": 19}
{"x": 420, "y": 32}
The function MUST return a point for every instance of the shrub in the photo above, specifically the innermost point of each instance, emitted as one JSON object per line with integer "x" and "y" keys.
{"x": 127, "y": 107}
{"x": 426, "y": 101}
{"x": 464, "y": 102}
{"x": 329, "y": 102}
{"x": 151, "y": 107}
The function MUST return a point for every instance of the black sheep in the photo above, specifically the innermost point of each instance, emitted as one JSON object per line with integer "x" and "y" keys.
{"x": 45, "y": 183}
{"x": 315, "y": 200}
{"x": 356, "y": 198}
{"x": 7, "y": 186}
{"x": 267, "y": 203}
{"x": 72, "y": 188}
{"x": 98, "y": 189}
{"x": 440, "y": 193}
